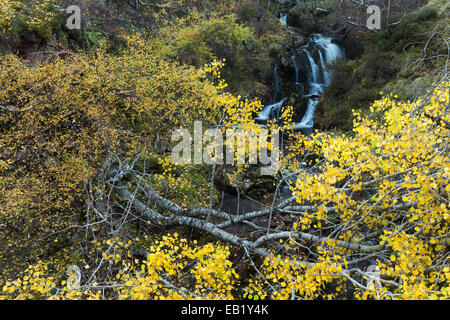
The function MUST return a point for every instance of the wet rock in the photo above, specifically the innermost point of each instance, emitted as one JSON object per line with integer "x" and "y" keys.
{"x": 300, "y": 104}
{"x": 250, "y": 182}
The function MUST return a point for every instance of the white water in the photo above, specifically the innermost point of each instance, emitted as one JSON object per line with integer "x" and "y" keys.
{"x": 314, "y": 68}
{"x": 270, "y": 111}
{"x": 316, "y": 86}
{"x": 283, "y": 18}
{"x": 326, "y": 72}
{"x": 318, "y": 78}
{"x": 332, "y": 50}
{"x": 307, "y": 120}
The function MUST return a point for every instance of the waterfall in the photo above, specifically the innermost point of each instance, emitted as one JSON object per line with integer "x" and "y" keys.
{"x": 318, "y": 78}
{"x": 270, "y": 111}
{"x": 294, "y": 62}
{"x": 326, "y": 72}
{"x": 307, "y": 122}
{"x": 332, "y": 50}
{"x": 314, "y": 73}
{"x": 283, "y": 18}
{"x": 276, "y": 84}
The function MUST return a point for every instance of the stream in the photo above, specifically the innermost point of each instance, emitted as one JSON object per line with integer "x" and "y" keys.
{"x": 314, "y": 57}
{"x": 311, "y": 64}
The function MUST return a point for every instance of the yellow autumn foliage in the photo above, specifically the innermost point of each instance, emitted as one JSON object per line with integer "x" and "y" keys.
{"x": 389, "y": 183}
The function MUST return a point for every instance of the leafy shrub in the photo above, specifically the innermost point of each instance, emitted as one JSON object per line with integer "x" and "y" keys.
{"x": 208, "y": 39}
{"x": 61, "y": 119}
{"x": 18, "y": 16}
{"x": 202, "y": 40}
{"x": 425, "y": 13}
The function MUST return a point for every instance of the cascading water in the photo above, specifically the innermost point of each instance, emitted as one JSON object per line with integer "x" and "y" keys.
{"x": 283, "y": 18}
{"x": 317, "y": 54}
{"x": 294, "y": 62}
{"x": 314, "y": 69}
{"x": 326, "y": 73}
{"x": 270, "y": 111}
{"x": 276, "y": 84}
{"x": 317, "y": 81}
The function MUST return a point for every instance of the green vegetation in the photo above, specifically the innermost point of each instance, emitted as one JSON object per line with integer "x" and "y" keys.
{"x": 407, "y": 58}
{"x": 92, "y": 205}
{"x": 23, "y": 16}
